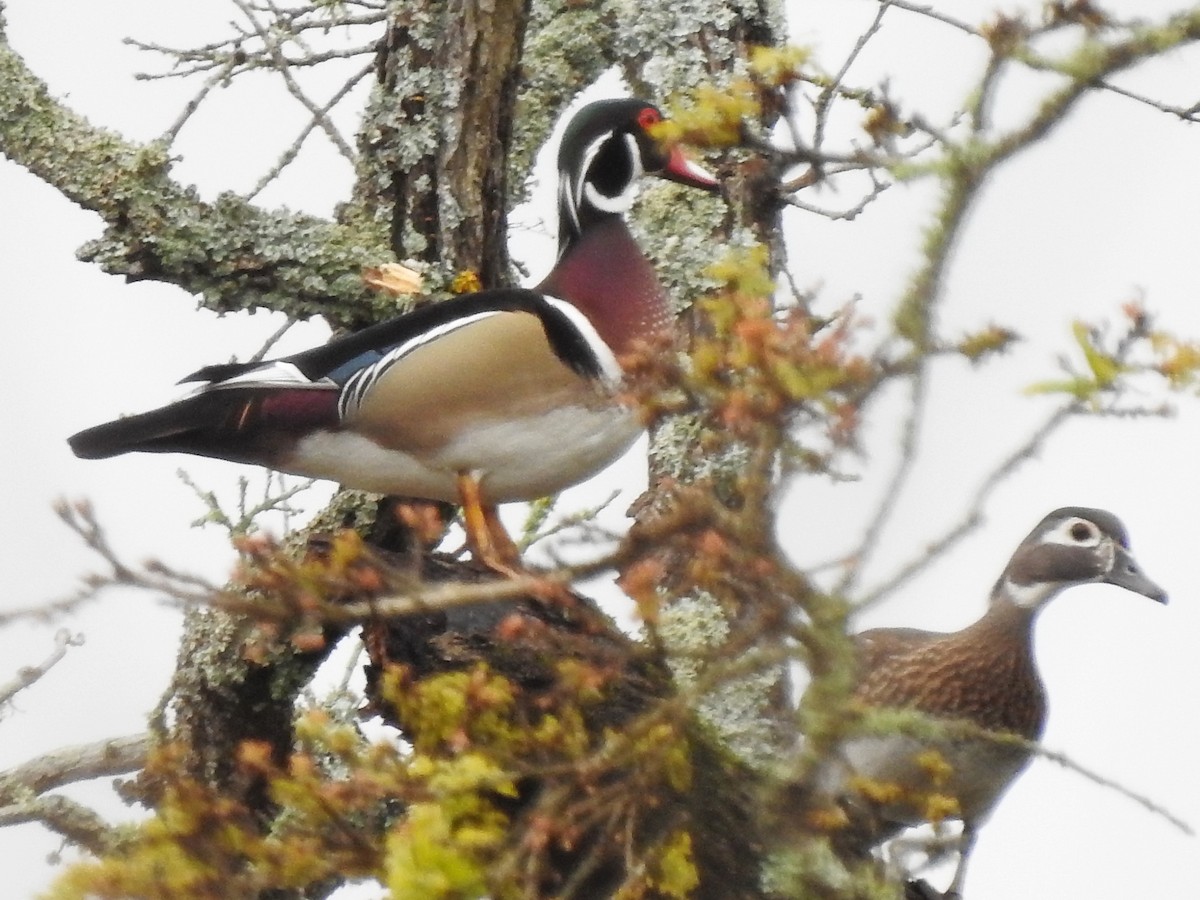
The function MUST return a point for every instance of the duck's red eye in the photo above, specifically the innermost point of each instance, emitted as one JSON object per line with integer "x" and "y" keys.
{"x": 649, "y": 116}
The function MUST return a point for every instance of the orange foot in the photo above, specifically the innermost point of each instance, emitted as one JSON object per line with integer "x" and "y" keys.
{"x": 491, "y": 545}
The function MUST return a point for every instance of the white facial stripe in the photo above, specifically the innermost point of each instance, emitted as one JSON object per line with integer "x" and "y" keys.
{"x": 611, "y": 369}
{"x": 635, "y": 156}
{"x": 617, "y": 204}
{"x": 588, "y": 155}
{"x": 567, "y": 201}
{"x": 622, "y": 201}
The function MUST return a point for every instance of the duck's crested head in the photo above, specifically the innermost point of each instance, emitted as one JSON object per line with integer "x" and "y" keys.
{"x": 1073, "y": 545}
{"x": 607, "y": 147}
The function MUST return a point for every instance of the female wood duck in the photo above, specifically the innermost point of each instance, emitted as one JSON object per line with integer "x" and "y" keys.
{"x": 984, "y": 675}
{"x": 490, "y": 397}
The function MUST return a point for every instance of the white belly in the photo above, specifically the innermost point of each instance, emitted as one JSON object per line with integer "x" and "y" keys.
{"x": 520, "y": 459}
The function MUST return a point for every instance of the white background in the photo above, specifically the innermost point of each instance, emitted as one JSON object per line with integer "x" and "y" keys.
{"x": 1106, "y": 211}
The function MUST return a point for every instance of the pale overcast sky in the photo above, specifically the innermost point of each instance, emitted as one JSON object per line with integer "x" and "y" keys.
{"x": 1106, "y": 211}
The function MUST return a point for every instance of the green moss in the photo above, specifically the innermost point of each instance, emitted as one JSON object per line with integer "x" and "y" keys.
{"x": 677, "y": 875}
{"x": 434, "y": 856}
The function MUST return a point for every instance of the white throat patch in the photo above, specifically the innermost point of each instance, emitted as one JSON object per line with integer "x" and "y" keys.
{"x": 1031, "y": 596}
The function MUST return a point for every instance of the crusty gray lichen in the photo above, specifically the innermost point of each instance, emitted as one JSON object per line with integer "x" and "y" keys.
{"x": 695, "y": 627}
{"x": 568, "y": 46}
{"x": 678, "y": 227}
{"x": 670, "y": 48}
{"x": 665, "y": 50}
{"x": 673, "y": 454}
{"x": 230, "y": 252}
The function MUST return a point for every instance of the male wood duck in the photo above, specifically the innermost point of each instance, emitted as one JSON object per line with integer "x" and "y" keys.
{"x": 490, "y": 397}
{"x": 984, "y": 675}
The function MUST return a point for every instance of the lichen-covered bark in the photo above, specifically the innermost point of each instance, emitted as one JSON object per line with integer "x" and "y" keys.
{"x": 232, "y": 253}
{"x": 667, "y": 51}
{"x": 436, "y": 132}
{"x": 570, "y": 44}
{"x": 671, "y": 48}
{"x": 221, "y": 700}
{"x": 432, "y": 183}
{"x": 223, "y": 694}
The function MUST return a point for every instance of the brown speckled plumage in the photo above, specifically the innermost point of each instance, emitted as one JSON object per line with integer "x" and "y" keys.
{"x": 984, "y": 674}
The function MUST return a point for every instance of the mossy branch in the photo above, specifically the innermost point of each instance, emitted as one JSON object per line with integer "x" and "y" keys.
{"x": 235, "y": 255}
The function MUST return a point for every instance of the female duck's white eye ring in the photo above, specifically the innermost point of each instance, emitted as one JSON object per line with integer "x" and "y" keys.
{"x": 1082, "y": 531}
{"x": 1074, "y": 532}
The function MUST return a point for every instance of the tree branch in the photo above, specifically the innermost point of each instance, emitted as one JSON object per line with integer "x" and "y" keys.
{"x": 22, "y": 787}
{"x": 80, "y": 762}
{"x": 282, "y": 65}
{"x": 29, "y": 675}
{"x": 233, "y": 253}
{"x": 74, "y": 821}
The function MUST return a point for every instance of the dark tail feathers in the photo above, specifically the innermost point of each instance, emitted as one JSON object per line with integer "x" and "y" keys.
{"x": 170, "y": 428}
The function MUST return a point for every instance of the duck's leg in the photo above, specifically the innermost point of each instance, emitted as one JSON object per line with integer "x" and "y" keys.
{"x": 923, "y": 890}
{"x": 486, "y": 537}
{"x": 966, "y": 845}
{"x": 490, "y": 544}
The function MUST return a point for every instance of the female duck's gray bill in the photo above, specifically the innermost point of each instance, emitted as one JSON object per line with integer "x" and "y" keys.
{"x": 1126, "y": 573}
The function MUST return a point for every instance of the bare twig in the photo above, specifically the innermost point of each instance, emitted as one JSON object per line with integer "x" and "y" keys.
{"x": 186, "y": 589}
{"x": 909, "y": 440}
{"x": 1187, "y": 114}
{"x": 352, "y": 667}
{"x": 29, "y": 675}
{"x": 973, "y": 516}
{"x": 1062, "y": 759}
{"x": 246, "y": 52}
{"x": 283, "y": 66}
{"x": 261, "y": 353}
{"x": 1140, "y": 799}
{"x": 979, "y": 113}
{"x": 533, "y": 531}
{"x": 219, "y": 77}
{"x": 420, "y": 598}
{"x": 289, "y": 155}
{"x": 846, "y": 215}
{"x": 247, "y": 514}
{"x": 931, "y": 13}
{"x": 152, "y": 576}
{"x": 829, "y": 92}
